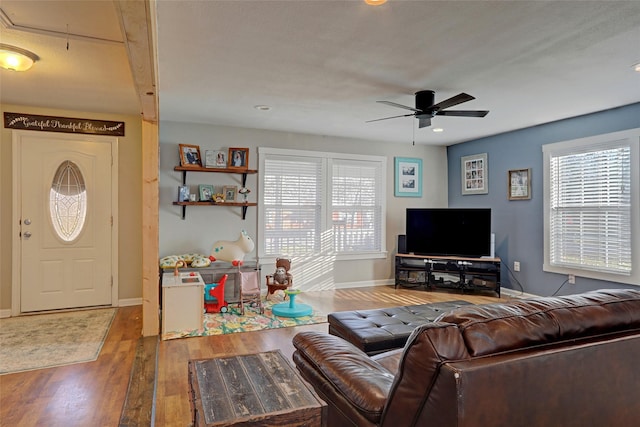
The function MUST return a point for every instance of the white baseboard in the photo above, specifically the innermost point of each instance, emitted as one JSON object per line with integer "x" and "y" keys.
{"x": 364, "y": 284}
{"x": 516, "y": 294}
{"x": 129, "y": 302}
{"x": 6, "y": 312}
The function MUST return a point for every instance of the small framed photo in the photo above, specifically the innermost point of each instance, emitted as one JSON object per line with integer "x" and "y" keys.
{"x": 475, "y": 174}
{"x": 238, "y": 158}
{"x": 230, "y": 193}
{"x": 190, "y": 155}
{"x": 519, "y": 182}
{"x": 408, "y": 177}
{"x": 206, "y": 192}
{"x": 221, "y": 159}
{"x": 183, "y": 193}
{"x": 215, "y": 159}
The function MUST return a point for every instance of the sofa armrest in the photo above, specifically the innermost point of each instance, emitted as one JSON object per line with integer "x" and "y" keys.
{"x": 343, "y": 374}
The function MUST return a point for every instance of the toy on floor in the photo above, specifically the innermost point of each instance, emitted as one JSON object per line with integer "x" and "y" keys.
{"x": 281, "y": 280}
{"x": 232, "y": 252}
{"x": 214, "y": 297}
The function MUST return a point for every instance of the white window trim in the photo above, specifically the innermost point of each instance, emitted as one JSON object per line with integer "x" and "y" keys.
{"x": 326, "y": 202}
{"x": 633, "y": 138}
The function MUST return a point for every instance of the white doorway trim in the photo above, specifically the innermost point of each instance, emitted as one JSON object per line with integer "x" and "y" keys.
{"x": 16, "y": 203}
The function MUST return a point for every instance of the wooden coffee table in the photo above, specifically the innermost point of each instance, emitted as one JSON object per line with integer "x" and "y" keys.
{"x": 260, "y": 388}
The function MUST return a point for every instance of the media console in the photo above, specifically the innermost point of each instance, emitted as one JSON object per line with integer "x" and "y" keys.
{"x": 448, "y": 272}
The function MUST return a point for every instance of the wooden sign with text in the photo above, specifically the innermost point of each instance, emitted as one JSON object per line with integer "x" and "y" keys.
{"x": 62, "y": 124}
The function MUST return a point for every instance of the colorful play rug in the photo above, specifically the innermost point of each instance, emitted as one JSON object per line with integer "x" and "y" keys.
{"x": 232, "y": 321}
{"x": 47, "y": 340}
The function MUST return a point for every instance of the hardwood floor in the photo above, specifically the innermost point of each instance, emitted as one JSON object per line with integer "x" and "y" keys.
{"x": 93, "y": 394}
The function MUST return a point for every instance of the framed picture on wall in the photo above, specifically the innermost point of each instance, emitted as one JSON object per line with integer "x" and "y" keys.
{"x": 408, "y": 177}
{"x": 519, "y": 182}
{"x": 474, "y": 174}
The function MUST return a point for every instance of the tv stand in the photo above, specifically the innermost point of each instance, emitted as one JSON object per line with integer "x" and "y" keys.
{"x": 448, "y": 272}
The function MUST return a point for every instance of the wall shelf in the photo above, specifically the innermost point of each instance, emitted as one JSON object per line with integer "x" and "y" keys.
{"x": 243, "y": 172}
{"x": 244, "y": 206}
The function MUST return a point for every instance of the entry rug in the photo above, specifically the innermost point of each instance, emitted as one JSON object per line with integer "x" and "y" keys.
{"x": 47, "y": 340}
{"x": 233, "y": 321}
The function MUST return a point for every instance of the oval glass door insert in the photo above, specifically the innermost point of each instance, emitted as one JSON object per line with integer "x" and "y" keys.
{"x": 68, "y": 201}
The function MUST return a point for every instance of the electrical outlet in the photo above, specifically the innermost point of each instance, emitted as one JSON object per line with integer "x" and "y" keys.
{"x": 572, "y": 279}
{"x": 516, "y": 265}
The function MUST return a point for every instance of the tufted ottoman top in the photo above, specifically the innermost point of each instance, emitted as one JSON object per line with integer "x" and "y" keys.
{"x": 378, "y": 330}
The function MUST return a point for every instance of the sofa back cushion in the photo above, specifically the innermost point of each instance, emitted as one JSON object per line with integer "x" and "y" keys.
{"x": 428, "y": 347}
{"x": 493, "y": 328}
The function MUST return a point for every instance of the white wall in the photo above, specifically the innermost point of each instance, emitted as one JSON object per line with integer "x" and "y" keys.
{"x": 204, "y": 225}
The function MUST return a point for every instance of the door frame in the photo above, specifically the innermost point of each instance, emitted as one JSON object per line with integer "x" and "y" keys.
{"x": 16, "y": 201}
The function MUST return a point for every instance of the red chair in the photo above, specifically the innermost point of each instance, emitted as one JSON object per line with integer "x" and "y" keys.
{"x": 214, "y": 297}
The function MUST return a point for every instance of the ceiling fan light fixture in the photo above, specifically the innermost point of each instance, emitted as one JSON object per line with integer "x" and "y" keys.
{"x": 375, "y": 2}
{"x": 16, "y": 59}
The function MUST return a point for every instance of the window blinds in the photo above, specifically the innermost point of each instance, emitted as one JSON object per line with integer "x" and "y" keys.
{"x": 590, "y": 209}
{"x": 293, "y": 194}
{"x": 325, "y": 203}
{"x": 356, "y": 205}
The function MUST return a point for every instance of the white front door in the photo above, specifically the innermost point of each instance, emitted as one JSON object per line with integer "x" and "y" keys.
{"x": 64, "y": 197}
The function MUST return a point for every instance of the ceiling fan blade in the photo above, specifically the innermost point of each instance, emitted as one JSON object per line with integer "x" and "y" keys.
{"x": 463, "y": 113}
{"x": 454, "y": 100}
{"x": 386, "y": 118}
{"x": 424, "y": 121}
{"x": 393, "y": 104}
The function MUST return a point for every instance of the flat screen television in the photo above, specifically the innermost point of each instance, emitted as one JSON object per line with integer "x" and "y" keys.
{"x": 463, "y": 232}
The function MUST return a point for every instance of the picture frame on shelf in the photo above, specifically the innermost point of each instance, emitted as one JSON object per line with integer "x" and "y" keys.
{"x": 230, "y": 193}
{"x": 221, "y": 159}
{"x": 190, "y": 155}
{"x": 206, "y": 192}
{"x": 238, "y": 158}
{"x": 209, "y": 159}
{"x": 408, "y": 177}
{"x": 183, "y": 193}
{"x": 519, "y": 184}
{"x": 474, "y": 174}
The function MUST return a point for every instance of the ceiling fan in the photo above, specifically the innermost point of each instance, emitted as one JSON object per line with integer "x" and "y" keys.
{"x": 426, "y": 109}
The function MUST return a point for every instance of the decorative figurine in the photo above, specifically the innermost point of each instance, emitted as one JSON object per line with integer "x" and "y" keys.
{"x": 245, "y": 193}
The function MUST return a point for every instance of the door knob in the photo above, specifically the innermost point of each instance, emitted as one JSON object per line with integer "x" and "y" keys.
{"x": 27, "y": 234}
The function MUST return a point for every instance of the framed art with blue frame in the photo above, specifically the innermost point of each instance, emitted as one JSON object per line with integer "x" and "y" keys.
{"x": 408, "y": 177}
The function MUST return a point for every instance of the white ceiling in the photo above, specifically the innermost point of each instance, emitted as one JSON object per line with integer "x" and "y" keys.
{"x": 321, "y": 65}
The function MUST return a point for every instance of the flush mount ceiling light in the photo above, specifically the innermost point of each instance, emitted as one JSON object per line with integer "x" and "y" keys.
{"x": 16, "y": 59}
{"x": 636, "y": 67}
{"x": 375, "y": 2}
{"x": 437, "y": 130}
{"x": 262, "y": 107}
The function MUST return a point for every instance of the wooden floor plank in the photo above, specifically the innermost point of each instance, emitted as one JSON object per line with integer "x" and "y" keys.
{"x": 94, "y": 393}
{"x": 139, "y": 402}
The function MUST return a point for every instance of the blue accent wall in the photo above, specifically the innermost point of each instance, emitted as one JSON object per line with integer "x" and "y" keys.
{"x": 518, "y": 225}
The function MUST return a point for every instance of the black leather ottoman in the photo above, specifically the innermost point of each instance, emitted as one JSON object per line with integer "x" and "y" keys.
{"x": 379, "y": 330}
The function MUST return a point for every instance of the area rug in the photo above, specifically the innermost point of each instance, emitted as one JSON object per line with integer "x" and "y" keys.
{"x": 47, "y": 340}
{"x": 233, "y": 321}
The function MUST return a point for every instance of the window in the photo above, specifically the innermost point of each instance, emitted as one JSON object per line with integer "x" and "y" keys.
{"x": 68, "y": 201}
{"x": 590, "y": 196}
{"x": 317, "y": 203}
